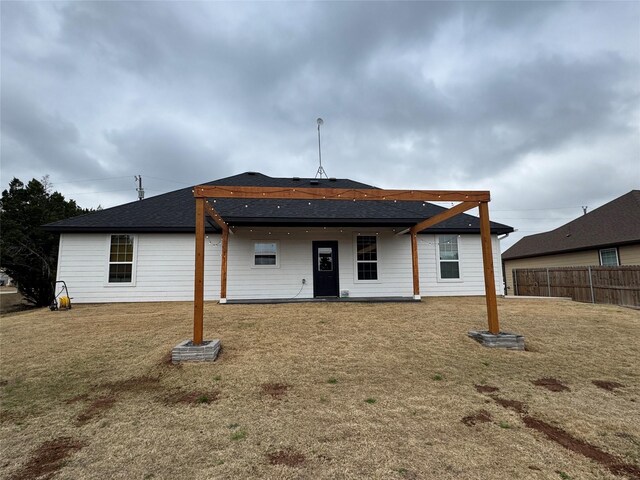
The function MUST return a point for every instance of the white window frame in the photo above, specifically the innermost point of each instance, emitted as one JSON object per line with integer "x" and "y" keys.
{"x": 253, "y": 253}
{"x": 134, "y": 262}
{"x": 615, "y": 249}
{"x": 460, "y": 278}
{"x": 356, "y": 262}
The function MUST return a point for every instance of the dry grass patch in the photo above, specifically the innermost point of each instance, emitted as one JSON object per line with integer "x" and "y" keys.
{"x": 110, "y": 363}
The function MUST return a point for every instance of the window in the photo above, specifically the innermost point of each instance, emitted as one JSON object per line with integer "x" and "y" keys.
{"x": 448, "y": 255}
{"x": 325, "y": 259}
{"x": 121, "y": 259}
{"x": 609, "y": 257}
{"x": 265, "y": 254}
{"x": 367, "y": 257}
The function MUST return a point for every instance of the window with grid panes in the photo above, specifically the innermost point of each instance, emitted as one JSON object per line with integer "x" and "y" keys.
{"x": 121, "y": 259}
{"x": 367, "y": 257}
{"x": 609, "y": 257}
{"x": 448, "y": 253}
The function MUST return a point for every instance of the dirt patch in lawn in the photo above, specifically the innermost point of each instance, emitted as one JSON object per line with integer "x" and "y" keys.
{"x": 607, "y": 385}
{"x": 481, "y": 416}
{"x": 96, "y": 408}
{"x": 77, "y": 398}
{"x": 275, "y": 390}
{"x": 612, "y": 463}
{"x": 136, "y": 384}
{"x": 287, "y": 457}
{"x": 48, "y": 459}
{"x": 486, "y": 389}
{"x": 192, "y": 398}
{"x": 551, "y": 384}
{"x": 514, "y": 405}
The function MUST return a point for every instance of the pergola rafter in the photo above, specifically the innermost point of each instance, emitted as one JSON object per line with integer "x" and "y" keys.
{"x": 468, "y": 199}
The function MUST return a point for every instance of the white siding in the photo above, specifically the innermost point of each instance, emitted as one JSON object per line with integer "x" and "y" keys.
{"x": 295, "y": 264}
{"x": 164, "y": 265}
{"x": 471, "y": 280}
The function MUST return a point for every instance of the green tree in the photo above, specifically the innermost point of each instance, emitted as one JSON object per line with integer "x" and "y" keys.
{"x": 28, "y": 253}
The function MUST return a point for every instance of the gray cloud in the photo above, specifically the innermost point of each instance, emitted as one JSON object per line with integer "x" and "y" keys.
{"x": 533, "y": 100}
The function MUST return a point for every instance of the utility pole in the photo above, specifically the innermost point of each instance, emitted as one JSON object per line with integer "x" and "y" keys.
{"x": 139, "y": 189}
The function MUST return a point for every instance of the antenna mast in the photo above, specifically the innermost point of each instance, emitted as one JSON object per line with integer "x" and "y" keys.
{"x": 320, "y": 171}
{"x": 139, "y": 189}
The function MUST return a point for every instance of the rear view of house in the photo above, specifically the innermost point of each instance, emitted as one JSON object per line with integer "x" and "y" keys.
{"x": 278, "y": 249}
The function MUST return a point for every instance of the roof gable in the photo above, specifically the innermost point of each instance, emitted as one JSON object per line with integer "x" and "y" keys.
{"x": 615, "y": 223}
{"x": 175, "y": 211}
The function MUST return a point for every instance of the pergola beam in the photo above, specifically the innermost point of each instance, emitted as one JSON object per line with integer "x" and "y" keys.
{"x": 306, "y": 193}
{"x": 441, "y": 217}
{"x": 215, "y": 216}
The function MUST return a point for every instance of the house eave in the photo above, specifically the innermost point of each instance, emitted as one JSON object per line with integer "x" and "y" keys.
{"x": 272, "y": 222}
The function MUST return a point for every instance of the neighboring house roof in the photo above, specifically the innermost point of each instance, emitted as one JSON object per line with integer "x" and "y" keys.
{"x": 175, "y": 211}
{"x": 615, "y": 223}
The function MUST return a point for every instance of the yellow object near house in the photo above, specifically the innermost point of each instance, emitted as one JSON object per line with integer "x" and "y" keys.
{"x": 65, "y": 302}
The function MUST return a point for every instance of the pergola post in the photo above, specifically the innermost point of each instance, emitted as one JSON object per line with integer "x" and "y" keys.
{"x": 223, "y": 265}
{"x": 198, "y": 284}
{"x": 487, "y": 261}
{"x": 414, "y": 264}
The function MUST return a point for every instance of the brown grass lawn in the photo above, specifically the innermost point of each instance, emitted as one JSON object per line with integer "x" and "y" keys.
{"x": 321, "y": 391}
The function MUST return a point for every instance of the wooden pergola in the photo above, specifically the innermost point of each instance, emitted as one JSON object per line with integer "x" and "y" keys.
{"x": 467, "y": 199}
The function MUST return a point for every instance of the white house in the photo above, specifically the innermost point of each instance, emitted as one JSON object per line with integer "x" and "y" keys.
{"x": 278, "y": 249}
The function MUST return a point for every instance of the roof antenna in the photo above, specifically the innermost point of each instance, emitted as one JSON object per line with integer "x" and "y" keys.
{"x": 320, "y": 171}
{"x": 584, "y": 209}
{"x": 139, "y": 189}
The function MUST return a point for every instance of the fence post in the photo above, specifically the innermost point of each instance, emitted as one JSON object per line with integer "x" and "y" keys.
{"x": 593, "y": 298}
{"x": 548, "y": 284}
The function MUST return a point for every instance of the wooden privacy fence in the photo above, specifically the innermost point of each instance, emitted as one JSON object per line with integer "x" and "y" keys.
{"x": 615, "y": 285}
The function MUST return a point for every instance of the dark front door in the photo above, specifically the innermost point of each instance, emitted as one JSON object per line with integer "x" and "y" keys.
{"x": 325, "y": 269}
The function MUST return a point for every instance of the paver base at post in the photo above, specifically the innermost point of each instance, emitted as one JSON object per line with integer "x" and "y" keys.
{"x": 510, "y": 341}
{"x": 188, "y": 352}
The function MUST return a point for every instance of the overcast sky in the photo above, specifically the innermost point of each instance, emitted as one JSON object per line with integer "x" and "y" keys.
{"x": 537, "y": 102}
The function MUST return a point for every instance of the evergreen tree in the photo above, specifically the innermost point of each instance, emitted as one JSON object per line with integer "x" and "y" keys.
{"x": 28, "y": 253}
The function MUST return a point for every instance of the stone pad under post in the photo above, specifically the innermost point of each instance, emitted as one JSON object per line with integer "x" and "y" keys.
{"x": 507, "y": 340}
{"x": 188, "y": 352}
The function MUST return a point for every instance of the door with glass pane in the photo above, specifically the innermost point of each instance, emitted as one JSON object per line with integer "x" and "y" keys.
{"x": 325, "y": 269}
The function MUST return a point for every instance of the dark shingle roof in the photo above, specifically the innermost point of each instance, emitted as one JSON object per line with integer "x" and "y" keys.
{"x": 615, "y": 223}
{"x": 175, "y": 211}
